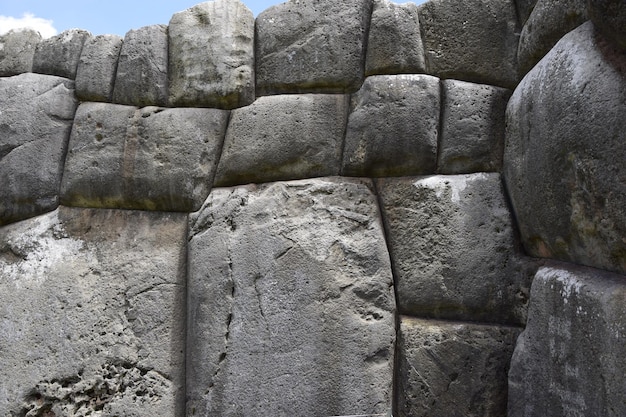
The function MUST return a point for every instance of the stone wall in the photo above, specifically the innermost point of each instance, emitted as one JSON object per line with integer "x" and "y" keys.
{"x": 336, "y": 208}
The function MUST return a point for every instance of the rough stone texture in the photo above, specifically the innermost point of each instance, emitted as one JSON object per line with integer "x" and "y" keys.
{"x": 548, "y": 22}
{"x": 211, "y": 55}
{"x": 393, "y": 126}
{"x": 312, "y": 46}
{"x": 570, "y": 359}
{"x": 17, "y": 50}
{"x": 92, "y": 314}
{"x": 524, "y": 8}
{"x": 472, "y": 127}
{"x": 452, "y": 369}
{"x": 453, "y": 247}
{"x": 394, "y": 45}
{"x": 282, "y": 138}
{"x": 609, "y": 16}
{"x": 141, "y": 78}
{"x": 59, "y": 55}
{"x": 148, "y": 158}
{"x": 565, "y": 152}
{"x": 36, "y": 113}
{"x": 472, "y": 40}
{"x": 291, "y": 306}
{"x": 97, "y": 68}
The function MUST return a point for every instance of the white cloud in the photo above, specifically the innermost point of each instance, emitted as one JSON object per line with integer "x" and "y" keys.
{"x": 28, "y": 20}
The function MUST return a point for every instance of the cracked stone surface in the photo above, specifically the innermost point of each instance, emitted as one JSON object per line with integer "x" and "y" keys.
{"x": 92, "y": 314}
{"x": 17, "y": 50}
{"x": 290, "y": 302}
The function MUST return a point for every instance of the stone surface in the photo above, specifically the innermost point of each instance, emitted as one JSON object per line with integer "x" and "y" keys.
{"x": 92, "y": 314}
{"x": 548, "y": 22}
{"x": 211, "y": 55}
{"x": 59, "y": 55}
{"x": 291, "y": 306}
{"x": 17, "y": 50}
{"x": 565, "y": 152}
{"x": 609, "y": 16}
{"x": 282, "y": 138}
{"x": 452, "y": 369}
{"x": 141, "y": 78}
{"x": 524, "y": 9}
{"x": 471, "y": 40}
{"x": 36, "y": 113}
{"x": 472, "y": 127}
{"x": 312, "y": 46}
{"x": 149, "y": 158}
{"x": 570, "y": 359}
{"x": 393, "y": 127}
{"x": 97, "y": 68}
{"x": 453, "y": 247}
{"x": 394, "y": 45}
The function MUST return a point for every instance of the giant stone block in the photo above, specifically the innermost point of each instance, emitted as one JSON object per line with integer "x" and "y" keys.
{"x": 97, "y": 68}
{"x": 17, "y": 50}
{"x": 291, "y": 306}
{"x": 59, "y": 55}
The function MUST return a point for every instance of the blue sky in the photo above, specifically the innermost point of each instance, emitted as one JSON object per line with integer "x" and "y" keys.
{"x": 102, "y": 17}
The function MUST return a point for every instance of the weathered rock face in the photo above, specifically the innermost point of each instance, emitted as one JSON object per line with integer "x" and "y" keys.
{"x": 291, "y": 308}
{"x": 570, "y": 359}
{"x": 565, "y": 152}
{"x": 148, "y": 158}
{"x": 17, "y": 50}
{"x": 452, "y": 242}
{"x": 59, "y": 55}
{"x": 141, "y": 78}
{"x": 35, "y": 122}
{"x": 609, "y": 16}
{"x": 394, "y": 45}
{"x": 452, "y": 369}
{"x": 97, "y": 68}
{"x": 524, "y": 8}
{"x": 393, "y": 127}
{"x": 92, "y": 314}
{"x": 312, "y": 46}
{"x": 211, "y": 55}
{"x": 282, "y": 138}
{"x": 472, "y": 40}
{"x": 472, "y": 129}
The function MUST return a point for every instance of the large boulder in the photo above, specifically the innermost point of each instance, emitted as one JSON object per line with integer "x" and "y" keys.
{"x": 312, "y": 46}
{"x": 393, "y": 127}
{"x": 92, "y": 314}
{"x": 60, "y": 54}
{"x": 35, "y": 122}
{"x": 149, "y": 158}
{"x": 211, "y": 55}
{"x": 609, "y": 16}
{"x": 282, "y": 138}
{"x": 452, "y": 368}
{"x": 453, "y": 248}
{"x": 97, "y": 68}
{"x": 471, "y": 40}
{"x": 17, "y": 51}
{"x": 565, "y": 152}
{"x": 290, "y": 300}
{"x": 141, "y": 78}
{"x": 570, "y": 359}
{"x": 524, "y": 9}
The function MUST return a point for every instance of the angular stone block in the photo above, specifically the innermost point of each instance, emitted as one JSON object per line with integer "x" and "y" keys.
{"x": 308, "y": 46}
{"x": 141, "y": 78}
{"x": 394, "y": 45}
{"x": 609, "y": 16}
{"x": 211, "y": 55}
{"x": 565, "y": 152}
{"x": 35, "y": 123}
{"x": 59, "y": 55}
{"x": 570, "y": 359}
{"x": 472, "y": 129}
{"x": 17, "y": 50}
{"x": 149, "y": 158}
{"x": 452, "y": 369}
{"x": 452, "y": 242}
{"x": 291, "y": 306}
{"x": 92, "y": 314}
{"x": 97, "y": 67}
{"x": 282, "y": 138}
{"x": 393, "y": 127}
{"x": 471, "y": 40}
